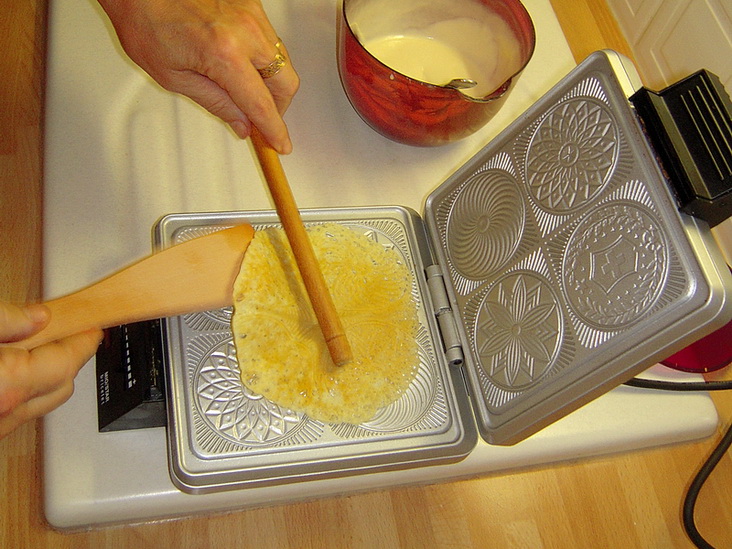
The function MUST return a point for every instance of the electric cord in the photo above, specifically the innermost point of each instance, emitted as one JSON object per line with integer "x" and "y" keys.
{"x": 678, "y": 385}
{"x": 706, "y": 469}
{"x": 695, "y": 488}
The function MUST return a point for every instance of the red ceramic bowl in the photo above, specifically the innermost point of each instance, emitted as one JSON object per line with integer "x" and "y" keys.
{"x": 488, "y": 41}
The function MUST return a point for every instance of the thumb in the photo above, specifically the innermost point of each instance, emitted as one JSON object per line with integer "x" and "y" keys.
{"x": 19, "y": 322}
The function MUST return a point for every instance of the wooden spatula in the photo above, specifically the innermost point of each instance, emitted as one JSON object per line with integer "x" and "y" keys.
{"x": 196, "y": 275}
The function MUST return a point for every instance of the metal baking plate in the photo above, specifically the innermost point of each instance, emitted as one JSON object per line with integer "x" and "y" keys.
{"x": 550, "y": 268}
{"x": 222, "y": 435}
{"x": 570, "y": 266}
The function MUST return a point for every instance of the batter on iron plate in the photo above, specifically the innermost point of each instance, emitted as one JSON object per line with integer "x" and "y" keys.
{"x": 279, "y": 345}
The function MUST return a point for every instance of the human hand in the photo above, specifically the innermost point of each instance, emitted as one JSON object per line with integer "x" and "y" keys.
{"x": 32, "y": 383}
{"x": 212, "y": 51}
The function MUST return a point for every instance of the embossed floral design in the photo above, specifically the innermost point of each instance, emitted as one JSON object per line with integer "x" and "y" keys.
{"x": 519, "y": 330}
{"x": 233, "y": 410}
{"x": 572, "y": 155}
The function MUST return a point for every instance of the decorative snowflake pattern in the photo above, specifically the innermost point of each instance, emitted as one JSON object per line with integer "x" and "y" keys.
{"x": 233, "y": 410}
{"x": 572, "y": 154}
{"x": 519, "y": 330}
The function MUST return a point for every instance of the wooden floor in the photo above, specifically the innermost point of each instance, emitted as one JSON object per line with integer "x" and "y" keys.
{"x": 629, "y": 500}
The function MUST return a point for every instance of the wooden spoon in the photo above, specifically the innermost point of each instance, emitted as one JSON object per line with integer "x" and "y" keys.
{"x": 196, "y": 275}
{"x": 302, "y": 250}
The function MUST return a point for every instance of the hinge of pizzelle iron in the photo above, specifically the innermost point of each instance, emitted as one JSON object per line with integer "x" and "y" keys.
{"x": 445, "y": 318}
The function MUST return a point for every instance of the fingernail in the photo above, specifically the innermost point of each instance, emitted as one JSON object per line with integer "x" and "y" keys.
{"x": 285, "y": 148}
{"x": 38, "y": 314}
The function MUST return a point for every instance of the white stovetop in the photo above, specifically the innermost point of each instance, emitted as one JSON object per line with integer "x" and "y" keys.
{"x": 120, "y": 153}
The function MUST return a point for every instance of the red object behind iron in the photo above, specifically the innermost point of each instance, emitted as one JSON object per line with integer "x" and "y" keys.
{"x": 710, "y": 353}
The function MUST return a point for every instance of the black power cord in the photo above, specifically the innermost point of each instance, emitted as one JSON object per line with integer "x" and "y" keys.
{"x": 696, "y": 486}
{"x": 706, "y": 469}
{"x": 678, "y": 385}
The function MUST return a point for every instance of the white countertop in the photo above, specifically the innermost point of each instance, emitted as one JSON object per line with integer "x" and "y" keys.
{"x": 121, "y": 152}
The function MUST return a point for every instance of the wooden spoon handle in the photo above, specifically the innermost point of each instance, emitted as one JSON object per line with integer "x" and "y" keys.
{"x": 196, "y": 275}
{"x": 302, "y": 249}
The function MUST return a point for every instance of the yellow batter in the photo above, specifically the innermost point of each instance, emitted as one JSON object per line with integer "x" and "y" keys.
{"x": 280, "y": 349}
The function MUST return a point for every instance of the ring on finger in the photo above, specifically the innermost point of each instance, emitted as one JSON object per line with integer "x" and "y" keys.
{"x": 275, "y": 66}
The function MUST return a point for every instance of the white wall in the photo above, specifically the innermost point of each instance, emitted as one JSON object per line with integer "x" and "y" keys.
{"x": 671, "y": 39}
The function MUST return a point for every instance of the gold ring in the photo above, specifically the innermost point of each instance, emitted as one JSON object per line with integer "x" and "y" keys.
{"x": 275, "y": 66}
